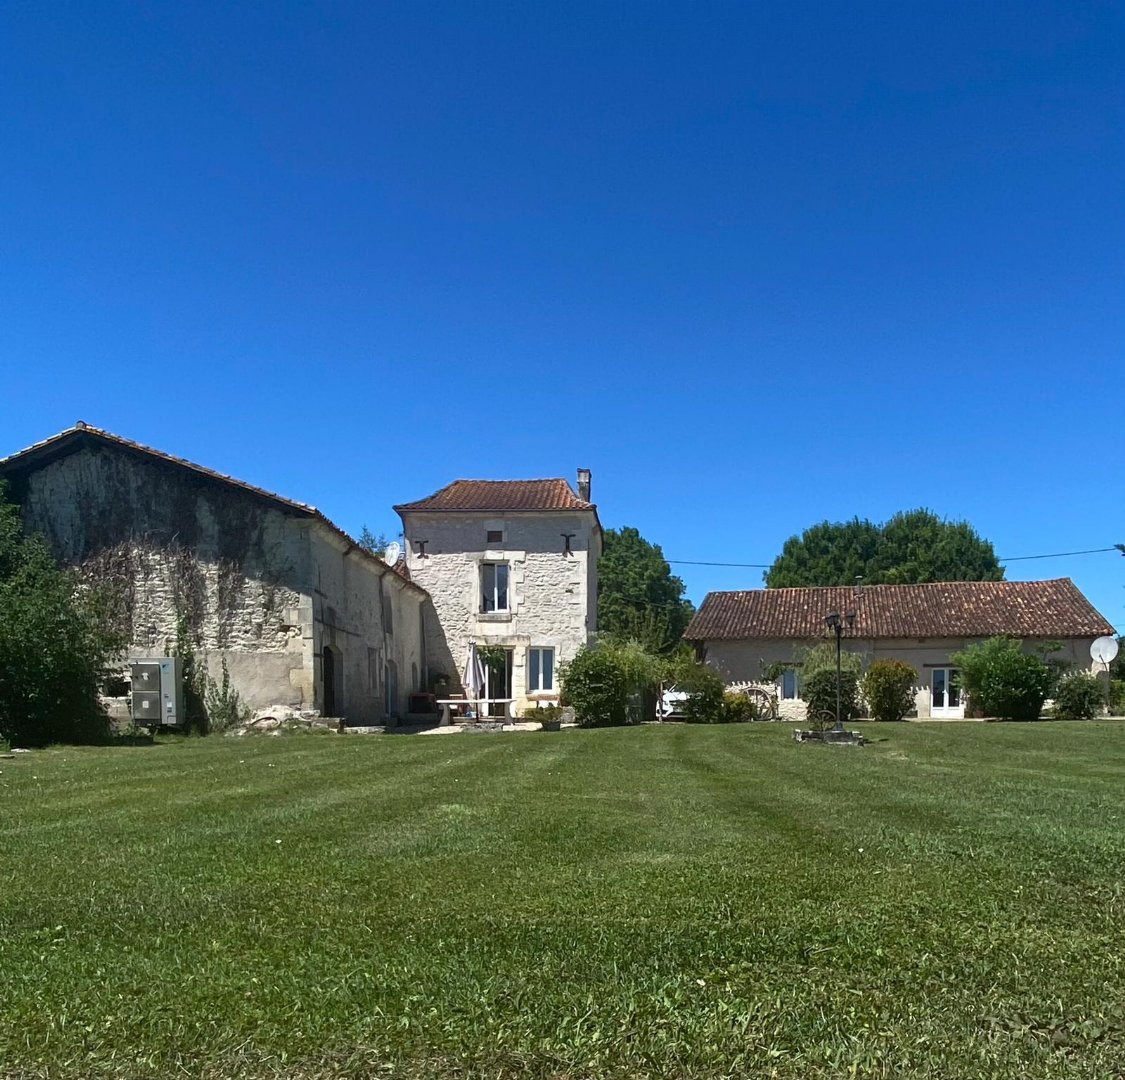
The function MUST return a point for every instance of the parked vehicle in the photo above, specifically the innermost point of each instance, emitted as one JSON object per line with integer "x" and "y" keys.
{"x": 670, "y": 704}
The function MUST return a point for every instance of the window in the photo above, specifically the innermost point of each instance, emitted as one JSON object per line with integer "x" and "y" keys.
{"x": 390, "y": 688}
{"x": 373, "y": 662}
{"x": 788, "y": 685}
{"x": 495, "y": 536}
{"x": 540, "y": 670}
{"x": 388, "y": 612}
{"x": 494, "y": 587}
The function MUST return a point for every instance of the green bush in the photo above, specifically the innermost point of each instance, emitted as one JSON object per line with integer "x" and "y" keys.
{"x": 819, "y": 691}
{"x": 706, "y": 693}
{"x": 888, "y": 688}
{"x": 55, "y": 645}
{"x": 544, "y": 714}
{"x": 595, "y": 685}
{"x": 738, "y": 709}
{"x": 1079, "y": 696}
{"x": 1002, "y": 680}
{"x": 1117, "y": 697}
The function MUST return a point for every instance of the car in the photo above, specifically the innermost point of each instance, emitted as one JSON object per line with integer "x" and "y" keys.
{"x": 670, "y": 704}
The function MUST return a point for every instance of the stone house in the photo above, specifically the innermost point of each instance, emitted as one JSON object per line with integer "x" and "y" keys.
{"x": 512, "y": 566}
{"x": 300, "y": 613}
{"x": 743, "y": 634}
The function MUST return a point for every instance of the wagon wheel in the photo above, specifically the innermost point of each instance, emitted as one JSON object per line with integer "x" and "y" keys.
{"x": 821, "y": 719}
{"x": 765, "y": 704}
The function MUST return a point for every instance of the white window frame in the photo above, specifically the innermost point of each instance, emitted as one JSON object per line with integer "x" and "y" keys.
{"x": 540, "y": 689}
{"x": 485, "y": 599}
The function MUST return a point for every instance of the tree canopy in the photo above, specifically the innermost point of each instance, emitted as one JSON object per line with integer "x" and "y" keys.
{"x": 913, "y": 546}
{"x": 639, "y": 598}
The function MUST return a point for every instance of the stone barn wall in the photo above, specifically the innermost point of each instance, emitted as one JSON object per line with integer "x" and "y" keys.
{"x": 176, "y": 545}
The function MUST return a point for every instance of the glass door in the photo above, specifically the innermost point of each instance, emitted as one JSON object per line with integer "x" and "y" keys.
{"x": 498, "y": 681}
{"x": 945, "y": 693}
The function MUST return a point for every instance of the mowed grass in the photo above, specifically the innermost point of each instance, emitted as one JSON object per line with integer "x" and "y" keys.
{"x": 675, "y": 901}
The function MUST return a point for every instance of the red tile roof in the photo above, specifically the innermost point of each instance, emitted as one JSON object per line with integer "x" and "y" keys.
{"x": 940, "y": 609}
{"x": 499, "y": 495}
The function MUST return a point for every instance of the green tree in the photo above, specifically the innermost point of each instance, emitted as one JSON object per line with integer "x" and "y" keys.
{"x": 55, "y": 644}
{"x": 1002, "y": 680}
{"x": 369, "y": 541}
{"x": 913, "y": 546}
{"x": 639, "y": 598}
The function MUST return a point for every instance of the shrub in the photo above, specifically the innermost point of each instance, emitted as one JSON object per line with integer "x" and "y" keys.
{"x": 888, "y": 688}
{"x": 1002, "y": 680}
{"x": 706, "y": 693}
{"x": 594, "y": 684}
{"x": 543, "y": 713}
{"x": 738, "y": 709}
{"x": 1117, "y": 697}
{"x": 55, "y": 644}
{"x": 225, "y": 709}
{"x": 819, "y": 689}
{"x": 1078, "y": 696}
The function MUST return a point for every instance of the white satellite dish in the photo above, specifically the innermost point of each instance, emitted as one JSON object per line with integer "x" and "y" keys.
{"x": 394, "y": 550}
{"x": 1104, "y": 650}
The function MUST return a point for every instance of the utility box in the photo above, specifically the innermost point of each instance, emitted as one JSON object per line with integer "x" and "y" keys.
{"x": 157, "y": 697}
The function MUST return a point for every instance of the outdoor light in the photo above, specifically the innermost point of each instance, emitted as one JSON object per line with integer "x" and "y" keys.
{"x": 836, "y": 625}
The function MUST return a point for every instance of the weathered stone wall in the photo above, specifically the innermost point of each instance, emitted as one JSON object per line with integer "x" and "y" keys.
{"x": 174, "y": 545}
{"x": 552, "y": 595}
{"x": 351, "y": 594}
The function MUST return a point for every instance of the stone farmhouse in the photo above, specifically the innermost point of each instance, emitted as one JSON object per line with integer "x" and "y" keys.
{"x": 745, "y": 634}
{"x": 302, "y": 615}
{"x": 513, "y": 566}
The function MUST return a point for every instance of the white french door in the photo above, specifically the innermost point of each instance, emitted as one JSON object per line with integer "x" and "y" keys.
{"x": 945, "y": 693}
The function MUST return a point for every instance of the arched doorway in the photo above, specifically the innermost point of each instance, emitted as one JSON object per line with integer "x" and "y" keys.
{"x": 328, "y": 677}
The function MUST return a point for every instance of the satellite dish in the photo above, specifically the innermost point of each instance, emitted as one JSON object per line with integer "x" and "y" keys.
{"x": 1104, "y": 650}
{"x": 394, "y": 550}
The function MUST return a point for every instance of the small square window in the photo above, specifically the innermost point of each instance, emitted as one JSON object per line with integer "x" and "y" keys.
{"x": 495, "y": 536}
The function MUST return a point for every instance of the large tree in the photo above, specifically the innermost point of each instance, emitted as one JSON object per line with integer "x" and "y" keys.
{"x": 54, "y": 644}
{"x": 639, "y": 598}
{"x": 913, "y": 546}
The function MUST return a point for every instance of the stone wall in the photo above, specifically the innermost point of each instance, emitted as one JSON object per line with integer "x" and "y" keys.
{"x": 369, "y": 617}
{"x": 176, "y": 545}
{"x": 552, "y": 595}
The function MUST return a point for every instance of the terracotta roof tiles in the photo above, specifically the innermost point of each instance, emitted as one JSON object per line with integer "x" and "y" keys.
{"x": 500, "y": 495}
{"x": 939, "y": 609}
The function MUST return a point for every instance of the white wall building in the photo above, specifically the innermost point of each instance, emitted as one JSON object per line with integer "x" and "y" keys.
{"x": 745, "y": 634}
{"x": 512, "y": 566}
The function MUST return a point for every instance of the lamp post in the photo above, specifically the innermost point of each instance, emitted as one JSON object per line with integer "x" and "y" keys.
{"x": 836, "y": 624}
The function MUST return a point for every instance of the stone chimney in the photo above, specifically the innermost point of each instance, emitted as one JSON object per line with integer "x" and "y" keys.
{"x": 584, "y": 484}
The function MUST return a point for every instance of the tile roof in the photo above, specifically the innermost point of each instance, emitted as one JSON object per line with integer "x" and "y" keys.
{"x": 552, "y": 494}
{"x": 939, "y": 609}
{"x": 83, "y": 434}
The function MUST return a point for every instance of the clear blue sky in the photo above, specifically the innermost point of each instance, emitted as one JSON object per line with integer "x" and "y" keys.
{"x": 756, "y": 265}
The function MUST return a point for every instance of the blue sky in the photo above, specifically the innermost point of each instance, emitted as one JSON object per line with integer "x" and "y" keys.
{"x": 756, "y": 265}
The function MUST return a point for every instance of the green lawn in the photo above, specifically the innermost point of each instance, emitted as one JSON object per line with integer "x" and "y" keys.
{"x": 947, "y": 901}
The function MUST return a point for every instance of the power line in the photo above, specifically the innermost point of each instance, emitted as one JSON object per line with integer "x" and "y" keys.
{"x": 1008, "y": 559}
{"x": 692, "y": 562}
{"x": 1055, "y": 555}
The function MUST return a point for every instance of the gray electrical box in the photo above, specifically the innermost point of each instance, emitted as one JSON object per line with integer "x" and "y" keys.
{"x": 157, "y": 698}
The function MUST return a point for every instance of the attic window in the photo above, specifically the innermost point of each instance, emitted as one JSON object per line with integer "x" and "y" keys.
{"x": 495, "y": 536}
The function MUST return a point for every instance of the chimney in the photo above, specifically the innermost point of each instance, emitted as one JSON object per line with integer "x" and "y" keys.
{"x": 584, "y": 484}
